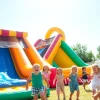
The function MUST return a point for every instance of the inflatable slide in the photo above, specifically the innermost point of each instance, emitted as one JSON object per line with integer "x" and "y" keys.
{"x": 57, "y": 52}
{"x": 16, "y": 59}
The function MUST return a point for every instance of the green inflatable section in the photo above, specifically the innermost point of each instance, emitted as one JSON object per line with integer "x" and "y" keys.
{"x": 54, "y": 64}
{"x": 19, "y": 95}
{"x": 72, "y": 55}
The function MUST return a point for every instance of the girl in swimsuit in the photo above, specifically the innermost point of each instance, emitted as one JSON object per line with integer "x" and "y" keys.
{"x": 59, "y": 78}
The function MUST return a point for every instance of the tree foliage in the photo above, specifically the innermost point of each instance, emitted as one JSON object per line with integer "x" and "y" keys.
{"x": 82, "y": 52}
{"x": 90, "y": 56}
{"x": 98, "y": 52}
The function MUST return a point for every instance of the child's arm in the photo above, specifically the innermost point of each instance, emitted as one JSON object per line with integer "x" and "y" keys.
{"x": 45, "y": 80}
{"x": 69, "y": 77}
{"x": 64, "y": 79}
{"x": 54, "y": 80}
{"x": 49, "y": 76}
{"x": 91, "y": 77}
{"x": 28, "y": 79}
{"x": 79, "y": 79}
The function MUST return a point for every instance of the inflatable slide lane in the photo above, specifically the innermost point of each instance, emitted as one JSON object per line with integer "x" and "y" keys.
{"x": 56, "y": 51}
{"x": 16, "y": 65}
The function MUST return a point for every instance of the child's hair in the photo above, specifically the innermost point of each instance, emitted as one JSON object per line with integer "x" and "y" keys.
{"x": 74, "y": 66}
{"x": 59, "y": 69}
{"x": 96, "y": 65}
{"x": 83, "y": 68}
{"x": 36, "y": 64}
{"x": 46, "y": 67}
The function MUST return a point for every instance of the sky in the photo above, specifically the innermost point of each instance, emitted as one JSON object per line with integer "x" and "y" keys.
{"x": 79, "y": 19}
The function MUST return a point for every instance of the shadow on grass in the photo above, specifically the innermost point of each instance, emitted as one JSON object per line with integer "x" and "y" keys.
{"x": 88, "y": 90}
{"x": 52, "y": 89}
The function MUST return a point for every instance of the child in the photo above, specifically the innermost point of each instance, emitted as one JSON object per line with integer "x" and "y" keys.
{"x": 84, "y": 77}
{"x": 37, "y": 85}
{"x": 73, "y": 84}
{"x": 46, "y": 73}
{"x": 95, "y": 79}
{"x": 59, "y": 78}
{"x": 96, "y": 96}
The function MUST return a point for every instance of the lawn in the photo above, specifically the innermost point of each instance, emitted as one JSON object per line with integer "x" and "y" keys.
{"x": 83, "y": 94}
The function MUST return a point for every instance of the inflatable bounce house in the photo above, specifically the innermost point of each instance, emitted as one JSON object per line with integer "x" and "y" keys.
{"x": 57, "y": 53}
{"x": 16, "y": 59}
{"x": 17, "y": 56}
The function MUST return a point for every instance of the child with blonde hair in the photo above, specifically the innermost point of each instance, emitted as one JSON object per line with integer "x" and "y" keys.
{"x": 59, "y": 79}
{"x": 95, "y": 79}
{"x": 37, "y": 85}
{"x": 73, "y": 82}
{"x": 46, "y": 73}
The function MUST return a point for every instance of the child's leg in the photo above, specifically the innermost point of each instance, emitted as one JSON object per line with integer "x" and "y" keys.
{"x": 94, "y": 88}
{"x": 97, "y": 95}
{"x": 93, "y": 92}
{"x": 72, "y": 89}
{"x": 84, "y": 84}
{"x": 41, "y": 91}
{"x": 71, "y": 94}
{"x": 77, "y": 94}
{"x": 58, "y": 91}
{"x": 62, "y": 90}
{"x": 42, "y": 95}
{"x": 45, "y": 93}
{"x": 95, "y": 98}
{"x": 35, "y": 97}
{"x": 35, "y": 92}
{"x": 98, "y": 89}
{"x": 58, "y": 94}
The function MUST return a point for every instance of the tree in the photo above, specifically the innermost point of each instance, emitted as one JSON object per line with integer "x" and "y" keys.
{"x": 82, "y": 52}
{"x": 90, "y": 56}
{"x": 98, "y": 52}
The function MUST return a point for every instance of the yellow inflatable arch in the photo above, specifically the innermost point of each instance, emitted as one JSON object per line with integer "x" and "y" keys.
{"x": 55, "y": 29}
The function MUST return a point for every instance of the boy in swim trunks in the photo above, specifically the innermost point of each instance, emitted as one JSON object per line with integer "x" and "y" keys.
{"x": 37, "y": 86}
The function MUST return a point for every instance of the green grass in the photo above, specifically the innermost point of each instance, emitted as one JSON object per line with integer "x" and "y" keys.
{"x": 83, "y": 94}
